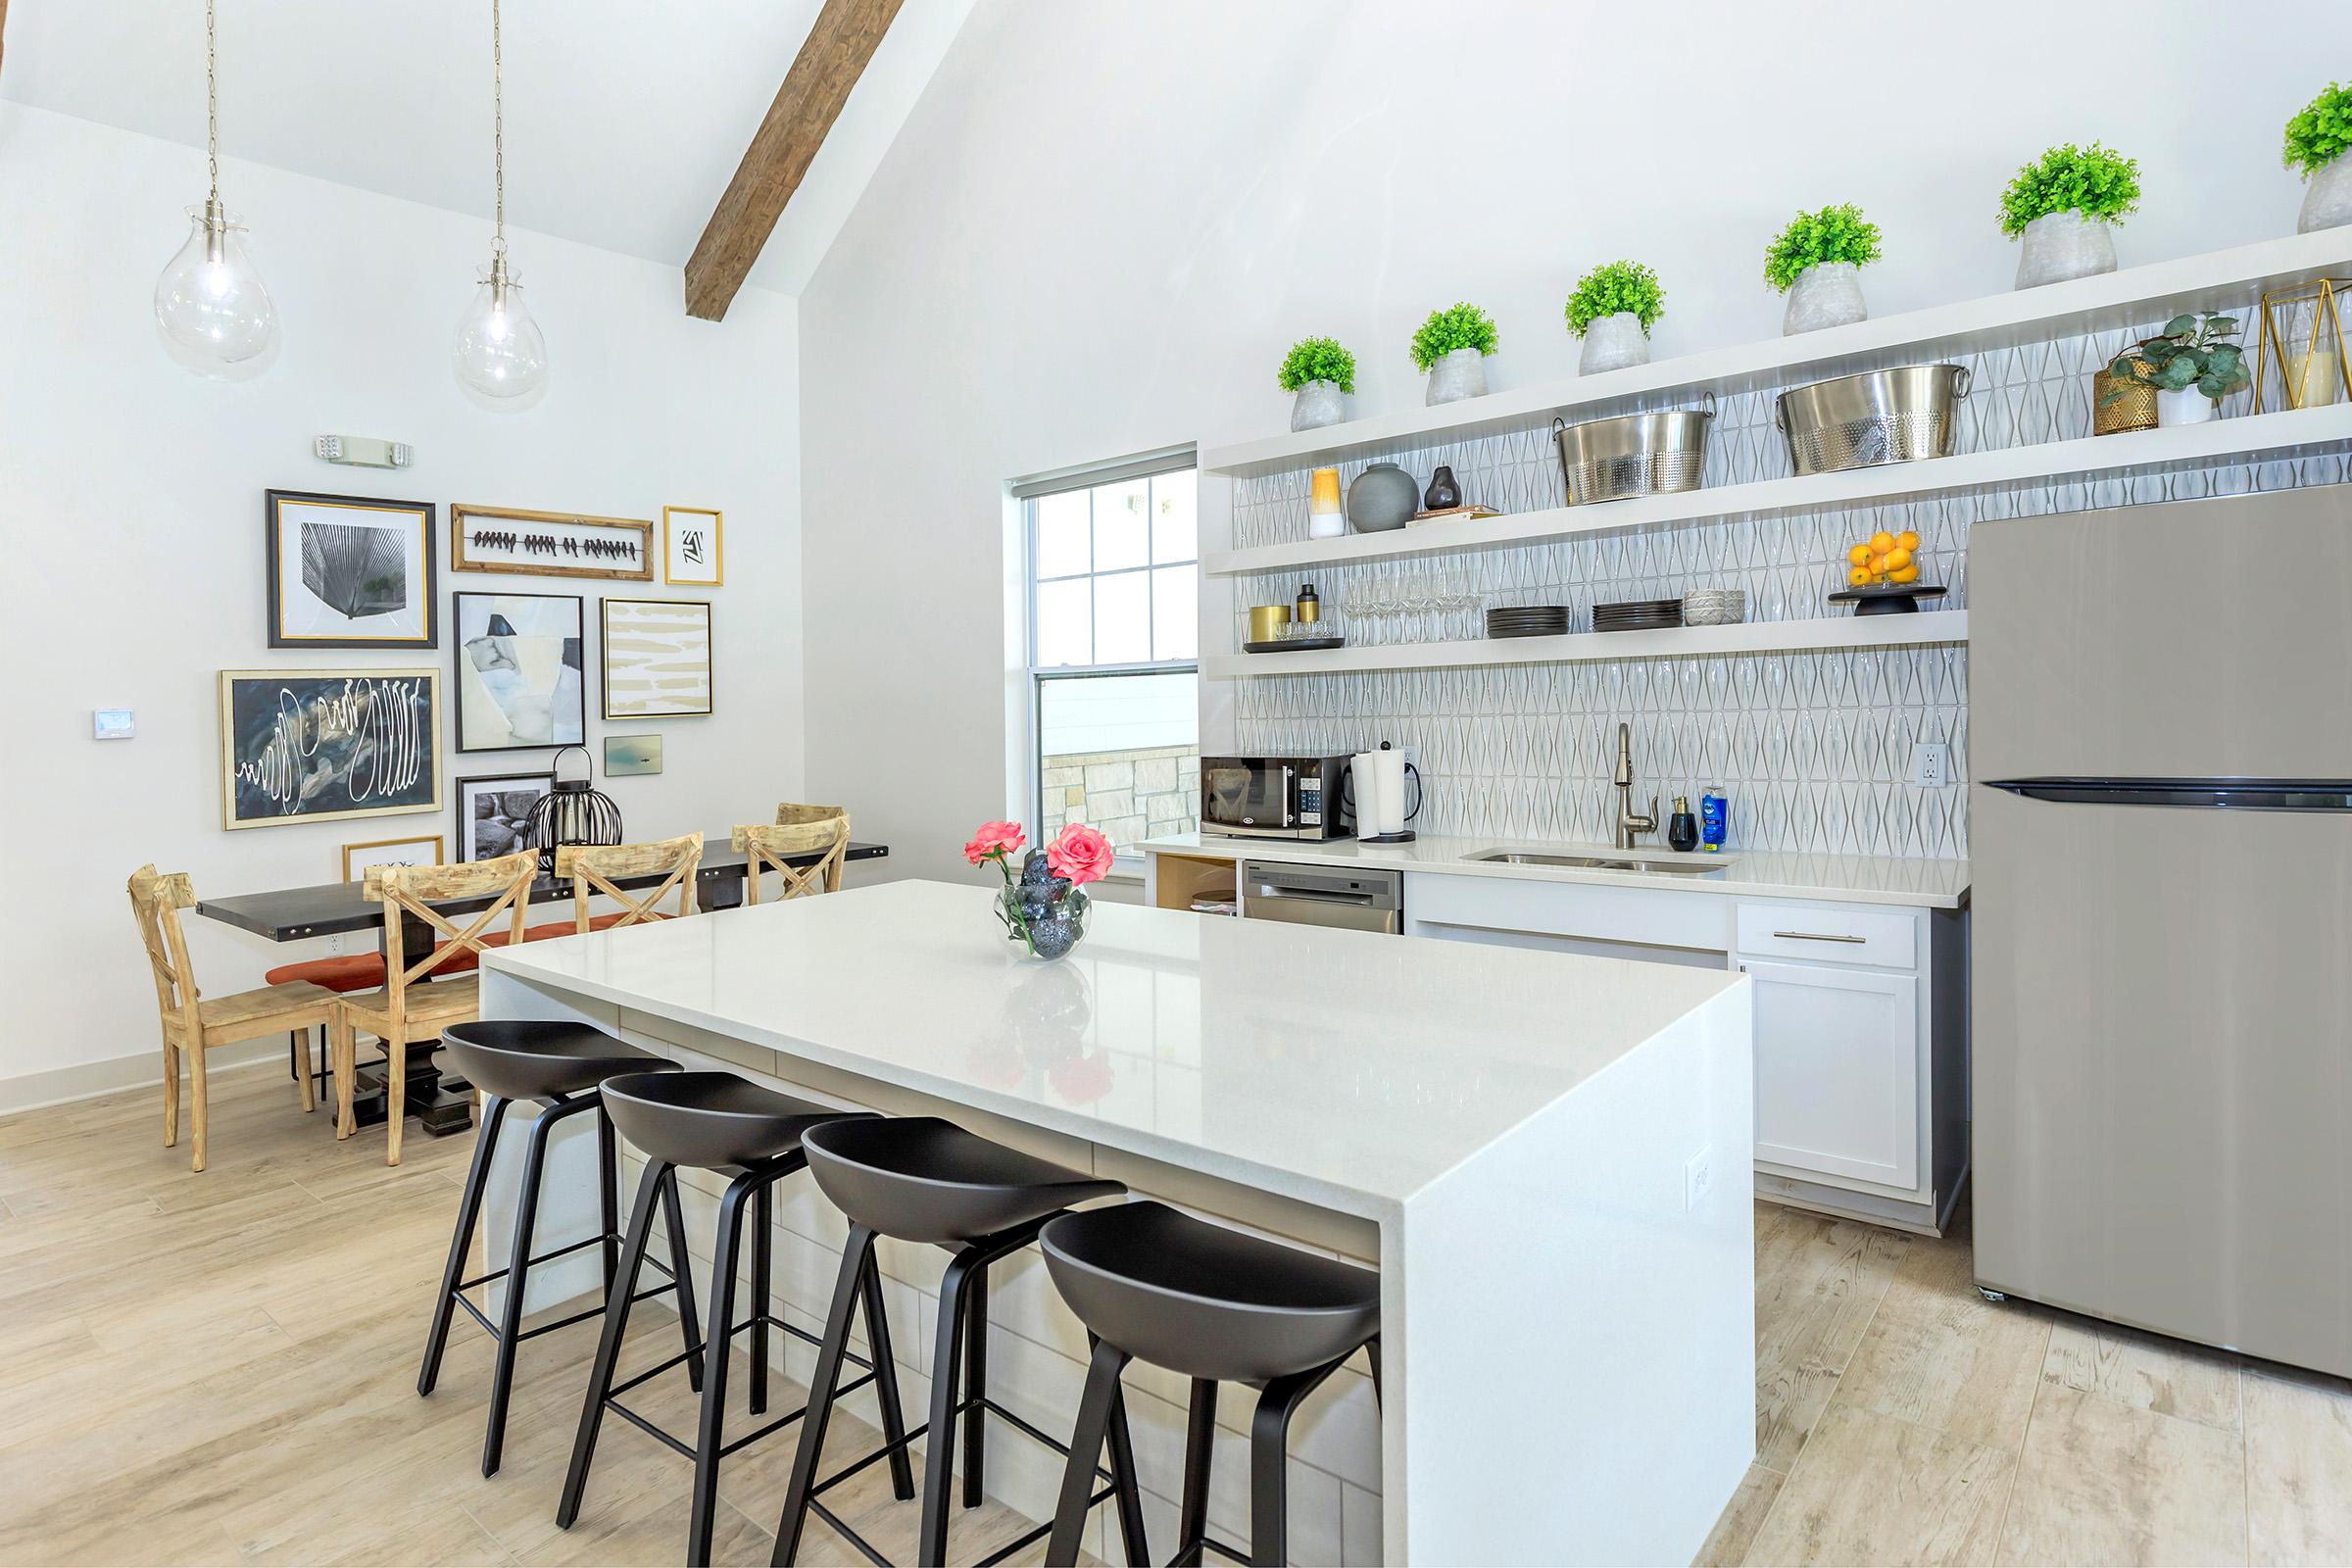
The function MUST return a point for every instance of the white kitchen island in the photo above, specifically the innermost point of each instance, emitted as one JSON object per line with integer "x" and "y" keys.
{"x": 1546, "y": 1157}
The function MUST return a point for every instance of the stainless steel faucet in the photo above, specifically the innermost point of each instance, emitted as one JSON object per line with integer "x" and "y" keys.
{"x": 1628, "y": 824}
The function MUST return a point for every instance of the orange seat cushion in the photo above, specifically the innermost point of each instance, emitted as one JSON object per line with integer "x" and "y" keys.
{"x": 365, "y": 971}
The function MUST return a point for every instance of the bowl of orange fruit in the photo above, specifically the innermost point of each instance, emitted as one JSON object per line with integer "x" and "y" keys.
{"x": 1881, "y": 575}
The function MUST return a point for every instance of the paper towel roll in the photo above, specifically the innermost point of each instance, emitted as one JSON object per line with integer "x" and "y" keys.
{"x": 1379, "y": 793}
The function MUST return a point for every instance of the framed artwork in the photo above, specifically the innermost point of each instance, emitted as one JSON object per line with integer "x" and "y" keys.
{"x": 425, "y": 850}
{"x": 657, "y": 658}
{"x": 549, "y": 544}
{"x": 520, "y": 670}
{"x": 693, "y": 547}
{"x": 349, "y": 571}
{"x": 325, "y": 744}
{"x": 492, "y": 809}
{"x": 627, "y": 756}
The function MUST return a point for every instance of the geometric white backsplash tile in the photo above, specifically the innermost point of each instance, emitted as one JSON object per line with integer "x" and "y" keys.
{"x": 1814, "y": 748}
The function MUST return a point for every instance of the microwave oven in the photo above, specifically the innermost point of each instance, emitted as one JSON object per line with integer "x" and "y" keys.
{"x": 1275, "y": 797}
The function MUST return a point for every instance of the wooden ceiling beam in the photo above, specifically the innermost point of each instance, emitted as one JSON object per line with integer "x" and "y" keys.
{"x": 832, "y": 59}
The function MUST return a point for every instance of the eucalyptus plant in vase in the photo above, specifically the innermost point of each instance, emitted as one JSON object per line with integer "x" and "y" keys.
{"x": 2318, "y": 141}
{"x": 2192, "y": 364}
{"x": 1320, "y": 372}
{"x": 2063, "y": 208}
{"x": 1451, "y": 347}
{"x": 1612, "y": 310}
{"x": 1817, "y": 262}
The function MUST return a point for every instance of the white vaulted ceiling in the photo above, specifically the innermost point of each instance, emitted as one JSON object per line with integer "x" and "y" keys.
{"x": 624, "y": 118}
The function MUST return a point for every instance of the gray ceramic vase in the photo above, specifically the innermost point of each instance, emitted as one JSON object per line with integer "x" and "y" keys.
{"x": 1382, "y": 498}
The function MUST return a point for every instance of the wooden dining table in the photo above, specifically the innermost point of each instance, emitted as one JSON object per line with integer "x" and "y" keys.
{"x": 443, "y": 1106}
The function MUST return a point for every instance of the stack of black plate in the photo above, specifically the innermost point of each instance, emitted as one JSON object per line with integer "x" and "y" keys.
{"x": 1527, "y": 620}
{"x": 1638, "y": 614}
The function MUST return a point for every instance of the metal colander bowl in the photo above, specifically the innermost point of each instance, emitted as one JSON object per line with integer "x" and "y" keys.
{"x": 1634, "y": 454}
{"x": 1858, "y": 422}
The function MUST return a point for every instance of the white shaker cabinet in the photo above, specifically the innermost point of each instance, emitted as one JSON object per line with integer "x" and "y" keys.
{"x": 1837, "y": 1071}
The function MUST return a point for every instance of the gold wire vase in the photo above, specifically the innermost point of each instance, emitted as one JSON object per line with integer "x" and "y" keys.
{"x": 2112, "y": 413}
{"x": 2303, "y": 344}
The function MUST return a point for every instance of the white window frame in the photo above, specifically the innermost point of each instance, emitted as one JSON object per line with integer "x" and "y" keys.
{"x": 1027, "y": 494}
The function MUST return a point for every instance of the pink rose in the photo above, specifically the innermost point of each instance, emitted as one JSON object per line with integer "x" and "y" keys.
{"x": 1080, "y": 854}
{"x": 994, "y": 839}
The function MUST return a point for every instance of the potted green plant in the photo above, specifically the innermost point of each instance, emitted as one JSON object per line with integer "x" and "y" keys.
{"x": 2192, "y": 364}
{"x": 1453, "y": 345}
{"x": 1817, "y": 262}
{"x": 2064, "y": 207}
{"x": 1320, "y": 372}
{"x": 1612, "y": 310}
{"x": 2317, "y": 140}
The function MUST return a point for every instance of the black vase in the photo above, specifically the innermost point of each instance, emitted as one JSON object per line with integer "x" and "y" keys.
{"x": 1442, "y": 491}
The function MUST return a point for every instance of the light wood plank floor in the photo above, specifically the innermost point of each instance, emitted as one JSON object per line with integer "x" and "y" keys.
{"x": 221, "y": 1369}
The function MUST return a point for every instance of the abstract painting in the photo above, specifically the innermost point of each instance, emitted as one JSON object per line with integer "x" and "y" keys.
{"x": 423, "y": 850}
{"x": 549, "y": 544}
{"x": 492, "y": 813}
{"x": 657, "y": 658}
{"x": 693, "y": 547}
{"x": 628, "y": 756}
{"x": 349, "y": 571}
{"x": 520, "y": 672}
{"x": 321, "y": 744}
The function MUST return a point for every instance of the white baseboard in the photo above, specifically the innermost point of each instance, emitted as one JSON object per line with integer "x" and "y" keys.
{"x": 87, "y": 1079}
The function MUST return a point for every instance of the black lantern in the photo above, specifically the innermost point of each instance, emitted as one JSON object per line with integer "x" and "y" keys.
{"x": 570, "y": 813}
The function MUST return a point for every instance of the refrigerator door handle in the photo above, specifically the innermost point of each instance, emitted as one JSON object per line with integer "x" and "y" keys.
{"x": 2210, "y": 794}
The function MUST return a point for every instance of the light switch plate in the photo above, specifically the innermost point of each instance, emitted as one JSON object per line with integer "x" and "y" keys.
{"x": 1931, "y": 764}
{"x": 113, "y": 723}
{"x": 1698, "y": 1179}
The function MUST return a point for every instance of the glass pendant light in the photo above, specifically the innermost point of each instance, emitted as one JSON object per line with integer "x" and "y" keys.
{"x": 498, "y": 349}
{"x": 210, "y": 301}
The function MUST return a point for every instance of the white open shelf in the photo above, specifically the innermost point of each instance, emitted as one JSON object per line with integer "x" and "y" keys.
{"x": 2086, "y": 305}
{"x": 2254, "y": 436}
{"x": 1926, "y": 628}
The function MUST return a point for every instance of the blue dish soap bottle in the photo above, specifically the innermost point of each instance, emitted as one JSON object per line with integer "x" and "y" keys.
{"x": 1714, "y": 820}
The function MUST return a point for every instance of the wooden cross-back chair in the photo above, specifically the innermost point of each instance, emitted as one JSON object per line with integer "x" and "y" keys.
{"x": 596, "y": 868}
{"x": 192, "y": 1022}
{"x": 821, "y": 831}
{"x": 412, "y": 1004}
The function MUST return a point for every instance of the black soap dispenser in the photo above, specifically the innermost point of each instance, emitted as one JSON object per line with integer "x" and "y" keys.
{"x": 1681, "y": 828}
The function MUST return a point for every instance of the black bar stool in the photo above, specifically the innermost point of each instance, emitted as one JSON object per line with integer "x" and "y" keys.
{"x": 560, "y": 1066}
{"x": 920, "y": 1179}
{"x": 1218, "y": 1307}
{"x": 719, "y": 1121}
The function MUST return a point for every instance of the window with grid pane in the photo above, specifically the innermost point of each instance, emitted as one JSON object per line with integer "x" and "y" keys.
{"x": 1114, "y": 644}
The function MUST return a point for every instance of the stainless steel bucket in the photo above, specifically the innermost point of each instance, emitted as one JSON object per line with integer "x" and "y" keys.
{"x": 1858, "y": 422}
{"x": 1634, "y": 454}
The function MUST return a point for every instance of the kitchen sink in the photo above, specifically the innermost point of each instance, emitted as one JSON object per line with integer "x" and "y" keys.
{"x": 1598, "y": 862}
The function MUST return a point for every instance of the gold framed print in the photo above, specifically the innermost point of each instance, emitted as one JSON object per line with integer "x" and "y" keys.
{"x": 426, "y": 849}
{"x": 549, "y": 544}
{"x": 349, "y": 571}
{"x": 693, "y": 547}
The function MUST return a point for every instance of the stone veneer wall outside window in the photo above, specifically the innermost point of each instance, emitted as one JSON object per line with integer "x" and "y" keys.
{"x": 1131, "y": 796}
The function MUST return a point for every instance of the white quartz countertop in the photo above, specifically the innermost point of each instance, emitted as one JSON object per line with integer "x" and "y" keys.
{"x": 1338, "y": 1067}
{"x": 1747, "y": 873}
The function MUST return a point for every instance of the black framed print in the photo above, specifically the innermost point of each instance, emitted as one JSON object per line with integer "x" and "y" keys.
{"x": 657, "y": 660}
{"x": 492, "y": 809}
{"x": 520, "y": 670}
{"x": 349, "y": 571}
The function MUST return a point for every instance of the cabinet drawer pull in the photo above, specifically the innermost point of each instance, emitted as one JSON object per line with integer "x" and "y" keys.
{"x": 1815, "y": 936}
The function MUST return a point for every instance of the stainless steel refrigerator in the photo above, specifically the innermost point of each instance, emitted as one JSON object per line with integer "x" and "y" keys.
{"x": 2160, "y": 732}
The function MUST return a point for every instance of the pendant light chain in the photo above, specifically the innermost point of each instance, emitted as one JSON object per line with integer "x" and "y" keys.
{"x": 498, "y": 124}
{"x": 211, "y": 106}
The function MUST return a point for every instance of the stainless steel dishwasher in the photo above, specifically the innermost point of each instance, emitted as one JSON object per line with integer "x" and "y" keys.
{"x": 1323, "y": 894}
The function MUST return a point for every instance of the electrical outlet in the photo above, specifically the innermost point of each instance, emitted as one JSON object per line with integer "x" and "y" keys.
{"x": 1698, "y": 1178}
{"x": 1931, "y": 764}
{"x": 334, "y": 945}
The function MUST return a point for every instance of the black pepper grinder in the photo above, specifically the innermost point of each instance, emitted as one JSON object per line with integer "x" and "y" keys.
{"x": 1442, "y": 491}
{"x": 1681, "y": 828}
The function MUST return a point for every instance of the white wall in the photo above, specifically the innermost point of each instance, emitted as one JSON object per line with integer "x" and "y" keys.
{"x": 1104, "y": 223}
{"x": 134, "y": 563}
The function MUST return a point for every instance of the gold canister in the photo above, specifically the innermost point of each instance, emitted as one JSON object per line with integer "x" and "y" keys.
{"x": 1266, "y": 622}
{"x": 2135, "y": 410}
